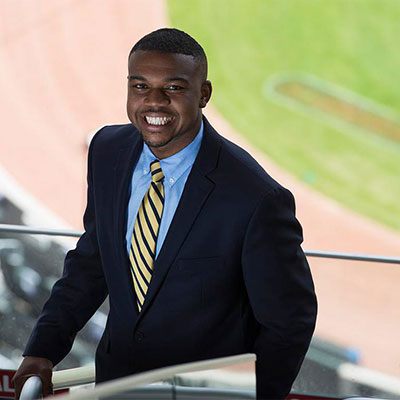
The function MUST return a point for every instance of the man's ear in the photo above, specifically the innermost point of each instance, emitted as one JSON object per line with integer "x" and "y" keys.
{"x": 206, "y": 90}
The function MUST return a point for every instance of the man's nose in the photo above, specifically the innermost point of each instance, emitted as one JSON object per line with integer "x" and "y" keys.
{"x": 157, "y": 97}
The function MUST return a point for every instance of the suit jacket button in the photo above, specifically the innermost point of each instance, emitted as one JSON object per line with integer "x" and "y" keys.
{"x": 139, "y": 336}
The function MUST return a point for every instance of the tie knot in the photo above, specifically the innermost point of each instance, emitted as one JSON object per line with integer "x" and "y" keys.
{"x": 156, "y": 171}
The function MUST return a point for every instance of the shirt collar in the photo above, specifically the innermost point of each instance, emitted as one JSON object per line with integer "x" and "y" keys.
{"x": 174, "y": 166}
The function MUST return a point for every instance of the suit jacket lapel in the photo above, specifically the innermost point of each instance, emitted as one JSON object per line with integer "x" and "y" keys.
{"x": 126, "y": 160}
{"x": 197, "y": 189}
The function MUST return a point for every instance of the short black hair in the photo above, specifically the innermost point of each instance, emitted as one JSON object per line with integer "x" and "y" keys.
{"x": 171, "y": 40}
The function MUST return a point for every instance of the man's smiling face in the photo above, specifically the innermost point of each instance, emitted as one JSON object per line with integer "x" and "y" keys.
{"x": 166, "y": 93}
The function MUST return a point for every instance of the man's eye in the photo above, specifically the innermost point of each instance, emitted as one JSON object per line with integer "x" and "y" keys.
{"x": 139, "y": 86}
{"x": 174, "y": 87}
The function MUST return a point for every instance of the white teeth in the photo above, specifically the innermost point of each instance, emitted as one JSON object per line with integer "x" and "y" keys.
{"x": 158, "y": 120}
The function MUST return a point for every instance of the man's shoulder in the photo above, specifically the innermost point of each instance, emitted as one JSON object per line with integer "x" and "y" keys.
{"x": 244, "y": 169}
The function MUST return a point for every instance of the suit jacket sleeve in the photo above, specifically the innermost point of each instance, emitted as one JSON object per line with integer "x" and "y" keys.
{"x": 281, "y": 292}
{"x": 76, "y": 296}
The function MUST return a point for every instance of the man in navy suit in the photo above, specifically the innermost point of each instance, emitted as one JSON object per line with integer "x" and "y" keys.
{"x": 229, "y": 275}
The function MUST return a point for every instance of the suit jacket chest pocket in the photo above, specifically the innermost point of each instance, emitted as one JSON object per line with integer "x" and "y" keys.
{"x": 208, "y": 273}
{"x": 199, "y": 266}
{"x": 186, "y": 284}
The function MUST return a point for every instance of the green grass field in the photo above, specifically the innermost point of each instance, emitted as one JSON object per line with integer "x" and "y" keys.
{"x": 352, "y": 43}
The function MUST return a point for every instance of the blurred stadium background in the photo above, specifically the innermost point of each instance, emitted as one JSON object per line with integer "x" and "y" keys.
{"x": 309, "y": 87}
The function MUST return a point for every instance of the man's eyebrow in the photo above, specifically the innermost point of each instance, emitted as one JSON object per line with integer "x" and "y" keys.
{"x": 137, "y": 78}
{"x": 177, "y": 78}
{"x": 172, "y": 79}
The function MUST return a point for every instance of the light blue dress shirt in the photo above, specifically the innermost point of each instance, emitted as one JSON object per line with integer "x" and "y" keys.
{"x": 176, "y": 170}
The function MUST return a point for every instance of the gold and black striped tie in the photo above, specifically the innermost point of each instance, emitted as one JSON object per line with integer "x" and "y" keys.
{"x": 144, "y": 237}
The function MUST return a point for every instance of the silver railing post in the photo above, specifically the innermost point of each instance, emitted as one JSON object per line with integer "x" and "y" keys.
{"x": 32, "y": 389}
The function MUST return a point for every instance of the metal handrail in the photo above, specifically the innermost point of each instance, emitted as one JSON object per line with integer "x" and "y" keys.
{"x": 309, "y": 253}
{"x": 73, "y": 377}
{"x": 352, "y": 256}
{"x": 85, "y": 375}
{"x": 38, "y": 231}
{"x": 144, "y": 378}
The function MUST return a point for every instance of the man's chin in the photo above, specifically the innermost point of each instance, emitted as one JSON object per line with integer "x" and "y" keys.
{"x": 156, "y": 145}
{"x": 154, "y": 142}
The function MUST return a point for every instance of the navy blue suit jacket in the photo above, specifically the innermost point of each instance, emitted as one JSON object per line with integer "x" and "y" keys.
{"x": 230, "y": 278}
